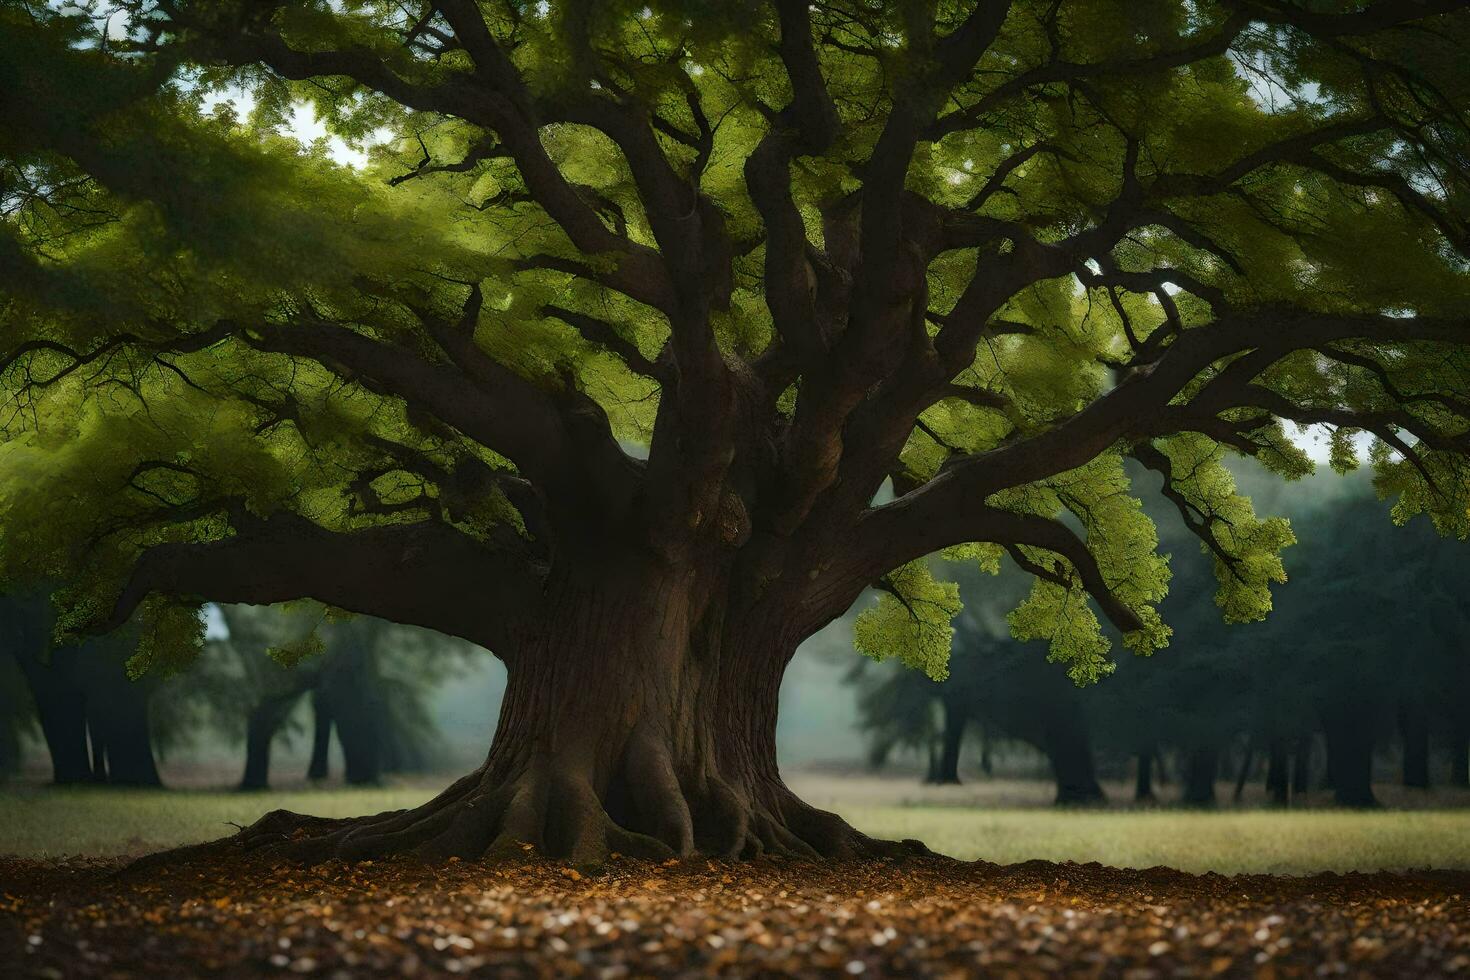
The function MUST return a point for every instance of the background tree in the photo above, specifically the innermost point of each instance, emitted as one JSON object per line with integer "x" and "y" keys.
{"x": 981, "y": 252}
{"x": 367, "y": 681}
{"x": 94, "y": 717}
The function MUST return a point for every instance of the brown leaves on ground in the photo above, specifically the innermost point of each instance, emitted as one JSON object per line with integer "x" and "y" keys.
{"x": 915, "y": 918}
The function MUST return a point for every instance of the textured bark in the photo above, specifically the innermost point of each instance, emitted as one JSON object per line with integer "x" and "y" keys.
{"x": 1201, "y": 768}
{"x": 625, "y": 727}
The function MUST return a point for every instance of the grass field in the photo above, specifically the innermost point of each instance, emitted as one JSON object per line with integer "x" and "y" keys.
{"x": 47, "y": 822}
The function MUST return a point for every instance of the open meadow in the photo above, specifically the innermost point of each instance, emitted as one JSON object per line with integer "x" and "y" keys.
{"x": 1002, "y": 821}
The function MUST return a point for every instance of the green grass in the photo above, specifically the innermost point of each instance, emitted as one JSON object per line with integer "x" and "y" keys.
{"x": 38, "y": 822}
{"x": 1229, "y": 842}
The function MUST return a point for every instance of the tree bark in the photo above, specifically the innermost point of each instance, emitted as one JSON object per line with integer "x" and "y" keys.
{"x": 956, "y": 720}
{"x": 625, "y": 727}
{"x": 1202, "y": 767}
{"x": 1414, "y": 729}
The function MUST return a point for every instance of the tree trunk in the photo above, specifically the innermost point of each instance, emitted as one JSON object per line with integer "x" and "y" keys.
{"x": 1199, "y": 777}
{"x": 1069, "y": 747}
{"x": 625, "y": 727}
{"x": 1460, "y": 756}
{"x": 1143, "y": 786}
{"x": 1278, "y": 777}
{"x": 321, "y": 738}
{"x": 956, "y": 719}
{"x": 1301, "y": 766}
{"x": 61, "y": 708}
{"x": 118, "y": 718}
{"x": 1414, "y": 729}
{"x": 358, "y": 733}
{"x": 1350, "y": 759}
{"x": 265, "y": 719}
{"x": 1245, "y": 770}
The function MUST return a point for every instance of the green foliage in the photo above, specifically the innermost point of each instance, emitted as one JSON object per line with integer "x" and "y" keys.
{"x": 131, "y": 221}
{"x": 910, "y": 621}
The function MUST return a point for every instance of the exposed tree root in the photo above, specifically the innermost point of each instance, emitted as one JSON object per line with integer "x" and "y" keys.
{"x": 557, "y": 815}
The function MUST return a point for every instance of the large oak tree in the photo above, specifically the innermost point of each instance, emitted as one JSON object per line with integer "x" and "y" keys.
{"x": 651, "y": 336}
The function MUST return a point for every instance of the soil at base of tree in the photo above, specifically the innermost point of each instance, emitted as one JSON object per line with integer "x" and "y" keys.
{"x": 916, "y": 917}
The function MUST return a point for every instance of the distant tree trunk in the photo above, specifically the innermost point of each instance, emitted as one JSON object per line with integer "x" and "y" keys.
{"x": 357, "y": 731}
{"x": 99, "y": 752}
{"x": 130, "y": 759}
{"x": 62, "y": 710}
{"x": 1068, "y": 746}
{"x": 321, "y": 738}
{"x": 1460, "y": 755}
{"x": 1278, "y": 776}
{"x": 987, "y": 765}
{"x": 1301, "y": 766}
{"x": 1143, "y": 786}
{"x": 1245, "y": 770}
{"x": 261, "y": 726}
{"x": 122, "y": 744}
{"x": 956, "y": 718}
{"x": 1201, "y": 768}
{"x": 1414, "y": 729}
{"x": 1349, "y": 758}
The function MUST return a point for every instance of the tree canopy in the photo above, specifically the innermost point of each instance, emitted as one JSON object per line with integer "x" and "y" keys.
{"x": 665, "y": 297}
{"x": 985, "y": 250}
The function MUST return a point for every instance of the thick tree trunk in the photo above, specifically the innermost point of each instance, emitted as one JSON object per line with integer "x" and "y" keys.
{"x": 61, "y": 707}
{"x": 1143, "y": 785}
{"x": 1278, "y": 776}
{"x": 1201, "y": 768}
{"x": 624, "y": 728}
{"x": 956, "y": 719}
{"x": 1414, "y": 729}
{"x": 1350, "y": 759}
{"x": 1069, "y": 747}
{"x": 321, "y": 738}
{"x": 118, "y": 719}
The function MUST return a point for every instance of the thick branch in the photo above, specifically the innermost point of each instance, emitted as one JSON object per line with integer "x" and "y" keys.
{"x": 425, "y": 574}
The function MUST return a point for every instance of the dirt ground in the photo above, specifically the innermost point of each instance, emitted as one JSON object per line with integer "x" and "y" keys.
{"x": 931, "y": 917}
